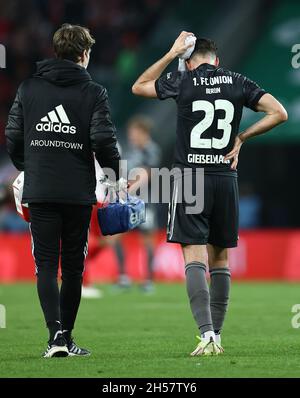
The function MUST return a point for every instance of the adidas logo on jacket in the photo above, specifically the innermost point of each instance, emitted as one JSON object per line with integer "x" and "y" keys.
{"x": 56, "y": 120}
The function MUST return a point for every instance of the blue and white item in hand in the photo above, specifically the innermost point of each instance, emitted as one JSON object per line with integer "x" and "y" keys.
{"x": 121, "y": 215}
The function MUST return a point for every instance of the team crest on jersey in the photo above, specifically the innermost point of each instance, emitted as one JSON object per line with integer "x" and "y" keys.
{"x": 57, "y": 121}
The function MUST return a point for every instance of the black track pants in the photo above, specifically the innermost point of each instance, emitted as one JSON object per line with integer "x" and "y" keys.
{"x": 59, "y": 232}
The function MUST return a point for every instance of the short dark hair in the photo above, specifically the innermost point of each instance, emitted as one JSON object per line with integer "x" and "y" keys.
{"x": 204, "y": 46}
{"x": 70, "y": 41}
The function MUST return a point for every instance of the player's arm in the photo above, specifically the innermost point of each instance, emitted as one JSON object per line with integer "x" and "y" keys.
{"x": 275, "y": 114}
{"x": 14, "y": 133}
{"x": 145, "y": 84}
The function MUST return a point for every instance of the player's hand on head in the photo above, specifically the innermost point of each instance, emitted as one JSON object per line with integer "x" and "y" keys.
{"x": 180, "y": 46}
{"x": 234, "y": 153}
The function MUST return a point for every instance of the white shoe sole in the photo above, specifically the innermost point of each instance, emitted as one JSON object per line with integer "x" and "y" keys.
{"x": 56, "y": 352}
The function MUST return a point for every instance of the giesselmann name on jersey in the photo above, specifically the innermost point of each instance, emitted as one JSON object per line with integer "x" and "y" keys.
{"x": 57, "y": 121}
{"x": 206, "y": 159}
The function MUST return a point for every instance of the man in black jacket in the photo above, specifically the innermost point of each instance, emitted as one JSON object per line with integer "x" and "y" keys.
{"x": 58, "y": 119}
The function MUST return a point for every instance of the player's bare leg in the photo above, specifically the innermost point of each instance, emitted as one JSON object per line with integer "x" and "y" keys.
{"x": 195, "y": 257}
{"x": 219, "y": 287}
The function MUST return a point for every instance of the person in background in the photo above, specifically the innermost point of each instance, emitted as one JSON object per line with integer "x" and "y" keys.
{"x": 142, "y": 152}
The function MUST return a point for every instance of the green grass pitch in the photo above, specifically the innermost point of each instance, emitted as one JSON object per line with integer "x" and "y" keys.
{"x": 135, "y": 335}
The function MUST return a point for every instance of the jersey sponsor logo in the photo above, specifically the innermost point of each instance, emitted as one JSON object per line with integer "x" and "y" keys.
{"x": 57, "y": 121}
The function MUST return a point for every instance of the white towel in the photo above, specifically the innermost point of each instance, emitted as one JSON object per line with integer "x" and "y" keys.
{"x": 186, "y": 55}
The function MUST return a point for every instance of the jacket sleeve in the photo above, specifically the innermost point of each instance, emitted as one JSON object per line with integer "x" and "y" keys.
{"x": 102, "y": 134}
{"x": 14, "y": 133}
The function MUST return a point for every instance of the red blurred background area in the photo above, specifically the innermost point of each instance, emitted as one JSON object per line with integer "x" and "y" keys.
{"x": 261, "y": 255}
{"x": 130, "y": 35}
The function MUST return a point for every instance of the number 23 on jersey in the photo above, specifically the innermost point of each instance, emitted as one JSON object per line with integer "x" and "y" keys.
{"x": 223, "y": 124}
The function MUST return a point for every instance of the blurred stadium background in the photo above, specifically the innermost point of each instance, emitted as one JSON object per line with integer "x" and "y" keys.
{"x": 254, "y": 38}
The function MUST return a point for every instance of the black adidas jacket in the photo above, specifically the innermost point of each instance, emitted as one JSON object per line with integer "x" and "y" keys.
{"x": 58, "y": 119}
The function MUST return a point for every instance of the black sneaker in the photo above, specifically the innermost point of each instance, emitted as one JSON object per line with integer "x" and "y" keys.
{"x": 57, "y": 347}
{"x": 74, "y": 350}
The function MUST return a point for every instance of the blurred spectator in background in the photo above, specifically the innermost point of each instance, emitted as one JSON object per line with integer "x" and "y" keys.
{"x": 26, "y": 29}
{"x": 250, "y": 207}
{"x": 142, "y": 152}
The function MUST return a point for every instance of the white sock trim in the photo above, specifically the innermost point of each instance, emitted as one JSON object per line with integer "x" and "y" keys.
{"x": 207, "y": 335}
{"x": 218, "y": 339}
